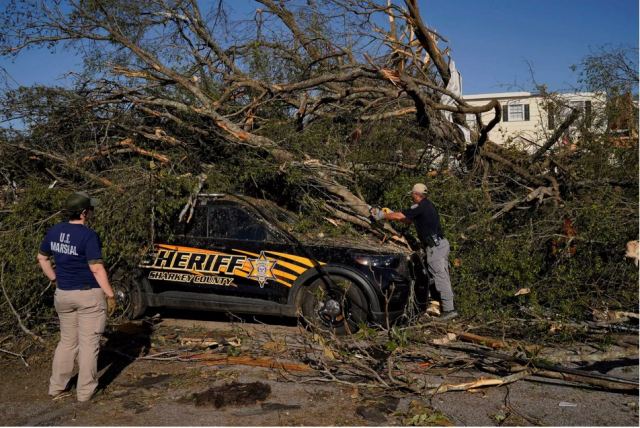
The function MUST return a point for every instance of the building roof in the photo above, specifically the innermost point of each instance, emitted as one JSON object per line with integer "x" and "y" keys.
{"x": 497, "y": 95}
{"x": 503, "y": 95}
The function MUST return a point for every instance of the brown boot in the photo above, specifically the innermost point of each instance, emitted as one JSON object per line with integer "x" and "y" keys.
{"x": 433, "y": 309}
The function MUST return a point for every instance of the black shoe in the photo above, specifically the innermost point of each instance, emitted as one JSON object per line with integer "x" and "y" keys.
{"x": 447, "y": 316}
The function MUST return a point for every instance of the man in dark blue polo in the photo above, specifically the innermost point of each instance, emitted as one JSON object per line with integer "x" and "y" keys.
{"x": 424, "y": 216}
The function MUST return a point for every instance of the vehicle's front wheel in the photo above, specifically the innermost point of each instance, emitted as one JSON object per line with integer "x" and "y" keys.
{"x": 334, "y": 303}
{"x": 130, "y": 301}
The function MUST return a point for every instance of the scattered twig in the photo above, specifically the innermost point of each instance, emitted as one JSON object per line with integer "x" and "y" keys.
{"x": 542, "y": 368}
{"x": 22, "y": 326}
{"x": 481, "y": 383}
{"x": 15, "y": 355}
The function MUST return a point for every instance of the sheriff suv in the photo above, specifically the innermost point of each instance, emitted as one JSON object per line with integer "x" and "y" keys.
{"x": 241, "y": 255}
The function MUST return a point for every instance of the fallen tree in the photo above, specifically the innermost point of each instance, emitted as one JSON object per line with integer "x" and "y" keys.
{"x": 325, "y": 113}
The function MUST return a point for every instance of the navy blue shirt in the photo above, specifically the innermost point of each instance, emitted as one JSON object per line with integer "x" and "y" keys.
{"x": 424, "y": 216}
{"x": 74, "y": 247}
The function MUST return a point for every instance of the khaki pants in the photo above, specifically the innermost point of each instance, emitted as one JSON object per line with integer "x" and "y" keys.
{"x": 83, "y": 315}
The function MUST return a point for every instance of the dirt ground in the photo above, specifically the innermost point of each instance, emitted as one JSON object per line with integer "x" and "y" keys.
{"x": 184, "y": 393}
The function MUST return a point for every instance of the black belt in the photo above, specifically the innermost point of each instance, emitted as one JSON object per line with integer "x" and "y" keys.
{"x": 433, "y": 241}
{"x": 86, "y": 287}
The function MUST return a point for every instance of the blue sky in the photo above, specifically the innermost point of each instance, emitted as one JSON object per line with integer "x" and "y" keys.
{"x": 493, "y": 41}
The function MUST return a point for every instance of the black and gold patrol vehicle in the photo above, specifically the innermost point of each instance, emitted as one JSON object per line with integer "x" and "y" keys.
{"x": 241, "y": 255}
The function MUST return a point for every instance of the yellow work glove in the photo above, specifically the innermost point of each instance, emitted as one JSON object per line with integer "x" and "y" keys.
{"x": 111, "y": 305}
{"x": 377, "y": 214}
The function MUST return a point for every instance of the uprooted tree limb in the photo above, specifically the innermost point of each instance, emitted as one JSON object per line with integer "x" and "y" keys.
{"x": 230, "y": 101}
{"x": 221, "y": 89}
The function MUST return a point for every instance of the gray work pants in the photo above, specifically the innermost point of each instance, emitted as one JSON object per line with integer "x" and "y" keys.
{"x": 83, "y": 315}
{"x": 438, "y": 265}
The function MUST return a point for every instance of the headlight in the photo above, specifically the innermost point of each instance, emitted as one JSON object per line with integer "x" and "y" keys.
{"x": 390, "y": 262}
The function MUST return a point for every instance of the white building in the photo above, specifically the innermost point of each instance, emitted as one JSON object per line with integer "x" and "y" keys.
{"x": 529, "y": 119}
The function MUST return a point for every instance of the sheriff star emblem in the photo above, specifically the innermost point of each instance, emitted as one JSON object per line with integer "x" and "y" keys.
{"x": 261, "y": 269}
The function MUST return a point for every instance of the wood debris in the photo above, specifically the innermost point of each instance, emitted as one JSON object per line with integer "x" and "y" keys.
{"x": 482, "y": 383}
{"x": 448, "y": 338}
{"x": 481, "y": 340}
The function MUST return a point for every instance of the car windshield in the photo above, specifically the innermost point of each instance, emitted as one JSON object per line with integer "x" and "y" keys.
{"x": 289, "y": 222}
{"x": 233, "y": 222}
{"x": 273, "y": 212}
{"x": 281, "y": 215}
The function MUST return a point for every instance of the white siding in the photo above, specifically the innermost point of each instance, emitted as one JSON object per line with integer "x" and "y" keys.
{"x": 519, "y": 132}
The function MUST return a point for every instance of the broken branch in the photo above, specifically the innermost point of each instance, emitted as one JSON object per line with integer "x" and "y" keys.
{"x": 556, "y": 135}
{"x": 20, "y": 323}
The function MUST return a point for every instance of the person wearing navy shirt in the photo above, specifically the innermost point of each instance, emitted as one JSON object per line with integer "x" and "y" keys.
{"x": 424, "y": 216}
{"x": 83, "y": 296}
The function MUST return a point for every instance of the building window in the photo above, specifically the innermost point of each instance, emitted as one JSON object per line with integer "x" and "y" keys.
{"x": 470, "y": 118}
{"x": 577, "y": 105}
{"x": 558, "y": 114}
{"x": 515, "y": 112}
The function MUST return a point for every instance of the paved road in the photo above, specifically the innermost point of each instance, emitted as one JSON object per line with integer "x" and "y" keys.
{"x": 159, "y": 393}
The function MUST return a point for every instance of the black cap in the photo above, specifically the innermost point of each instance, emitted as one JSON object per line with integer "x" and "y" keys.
{"x": 79, "y": 201}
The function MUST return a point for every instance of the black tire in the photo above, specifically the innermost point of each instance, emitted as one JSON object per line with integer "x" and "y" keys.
{"x": 130, "y": 301}
{"x": 334, "y": 303}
